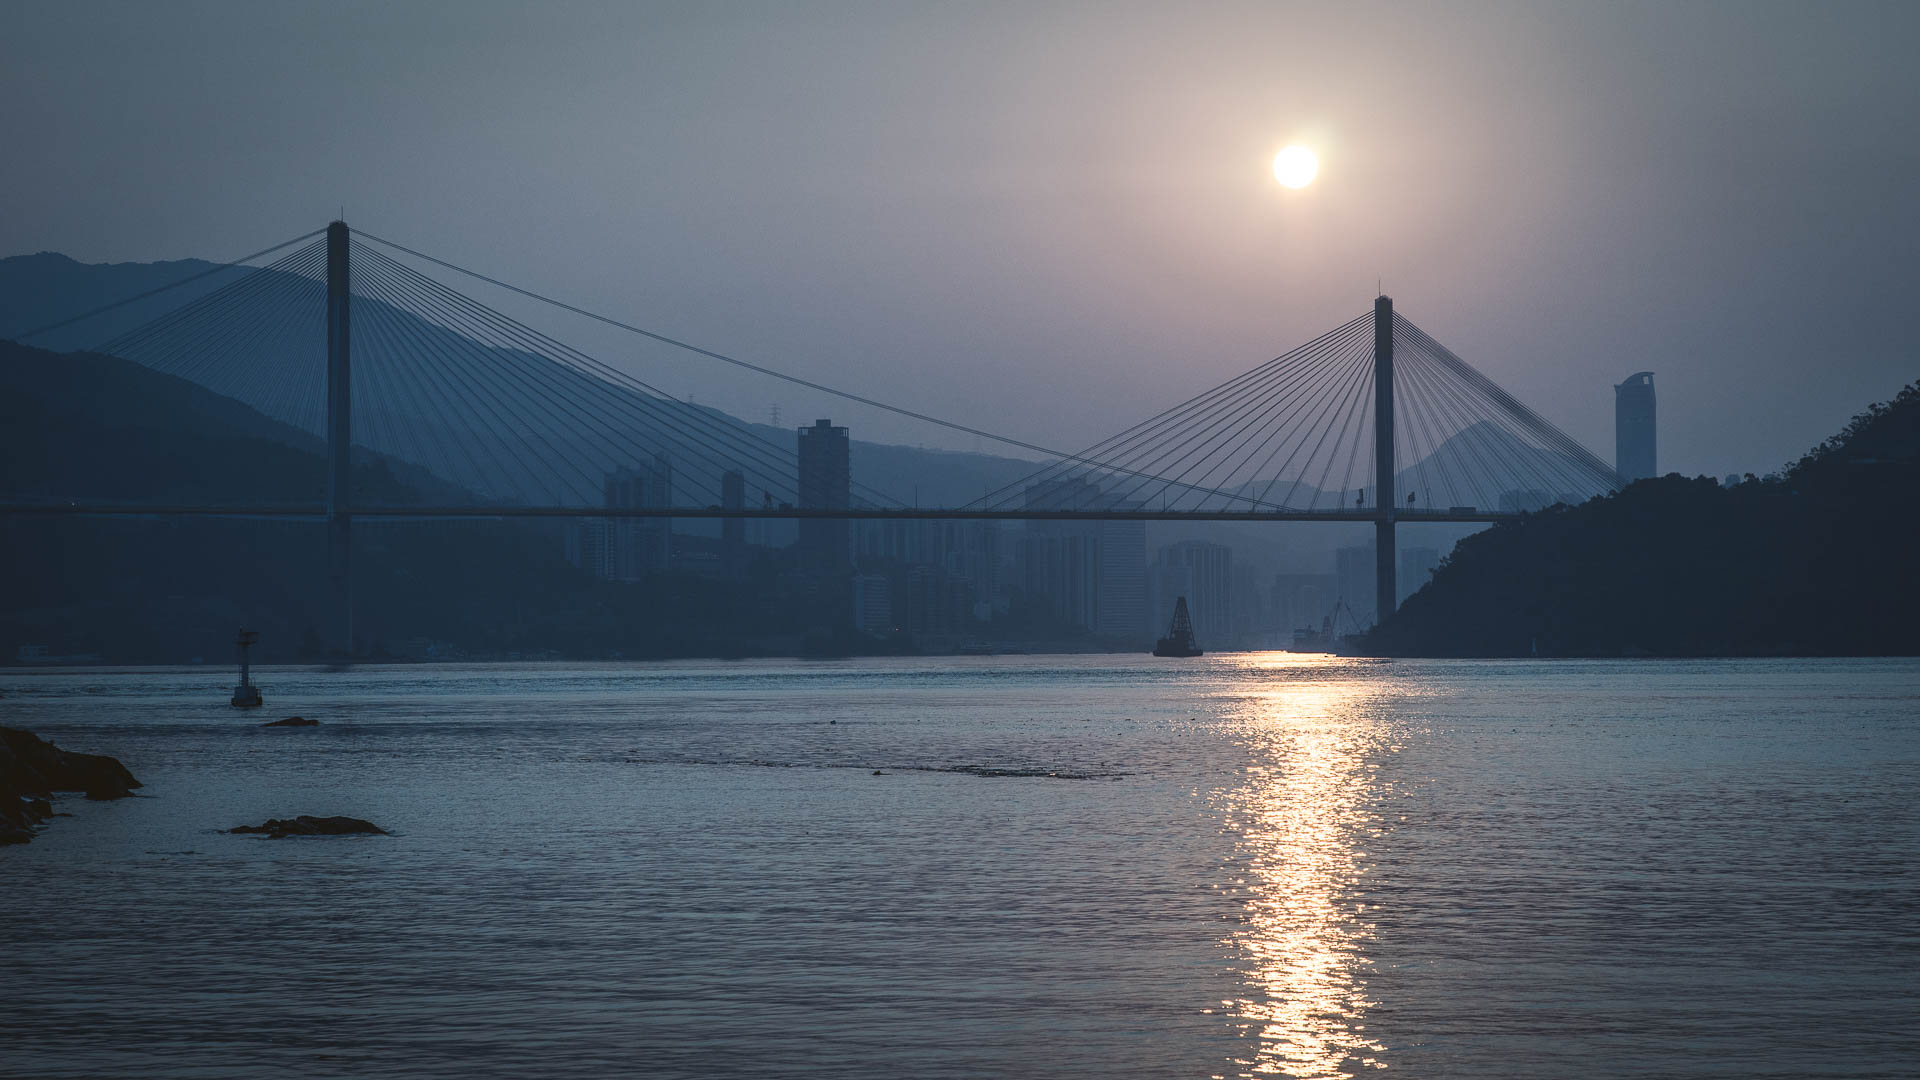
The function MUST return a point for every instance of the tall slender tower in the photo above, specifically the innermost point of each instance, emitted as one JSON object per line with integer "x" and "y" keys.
{"x": 1384, "y": 565}
{"x": 826, "y": 483}
{"x": 339, "y": 446}
{"x": 1634, "y": 440}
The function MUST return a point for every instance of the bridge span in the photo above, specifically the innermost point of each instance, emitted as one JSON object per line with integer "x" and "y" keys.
{"x": 354, "y": 341}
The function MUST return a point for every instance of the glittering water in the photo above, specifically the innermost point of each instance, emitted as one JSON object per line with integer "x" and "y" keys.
{"x": 1088, "y": 866}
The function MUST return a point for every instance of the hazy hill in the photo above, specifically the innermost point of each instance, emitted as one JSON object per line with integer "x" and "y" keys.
{"x": 171, "y": 590}
{"x": 401, "y": 418}
{"x": 1817, "y": 560}
{"x": 81, "y": 425}
{"x": 409, "y": 418}
{"x": 38, "y": 290}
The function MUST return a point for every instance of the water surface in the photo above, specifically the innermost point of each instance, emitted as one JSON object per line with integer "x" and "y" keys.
{"x": 1245, "y": 865}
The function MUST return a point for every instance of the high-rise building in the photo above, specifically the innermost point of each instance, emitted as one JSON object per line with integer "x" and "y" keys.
{"x": 1210, "y": 598}
{"x": 1301, "y": 601}
{"x": 589, "y": 546}
{"x": 1063, "y": 572}
{"x": 872, "y": 604}
{"x": 1092, "y": 574}
{"x": 1167, "y": 582}
{"x": 627, "y": 548}
{"x": 1121, "y": 604}
{"x": 1633, "y": 428}
{"x": 1061, "y": 559}
{"x": 1358, "y": 586}
{"x": 826, "y": 483}
{"x": 641, "y": 544}
{"x": 733, "y": 531}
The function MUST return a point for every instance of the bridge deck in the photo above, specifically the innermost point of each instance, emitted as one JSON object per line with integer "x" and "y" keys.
{"x": 318, "y": 512}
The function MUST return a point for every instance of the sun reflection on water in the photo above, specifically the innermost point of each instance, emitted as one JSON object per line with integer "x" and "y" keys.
{"x": 1302, "y": 817}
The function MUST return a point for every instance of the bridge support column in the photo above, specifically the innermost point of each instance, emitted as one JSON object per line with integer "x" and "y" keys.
{"x": 339, "y": 631}
{"x": 1386, "y": 588}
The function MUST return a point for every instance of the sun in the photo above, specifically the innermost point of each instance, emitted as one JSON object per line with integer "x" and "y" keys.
{"x": 1295, "y": 167}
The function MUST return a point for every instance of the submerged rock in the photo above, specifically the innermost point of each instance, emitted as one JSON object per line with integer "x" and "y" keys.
{"x": 292, "y": 721}
{"x": 278, "y": 828}
{"x": 32, "y": 769}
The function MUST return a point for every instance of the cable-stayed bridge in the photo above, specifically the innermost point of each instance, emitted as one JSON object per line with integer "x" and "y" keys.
{"x": 354, "y": 340}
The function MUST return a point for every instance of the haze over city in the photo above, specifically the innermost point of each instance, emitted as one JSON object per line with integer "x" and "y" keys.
{"x": 1052, "y": 221}
{"x": 956, "y": 540}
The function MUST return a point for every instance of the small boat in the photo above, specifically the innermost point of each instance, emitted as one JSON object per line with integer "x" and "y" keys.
{"x": 1179, "y": 640}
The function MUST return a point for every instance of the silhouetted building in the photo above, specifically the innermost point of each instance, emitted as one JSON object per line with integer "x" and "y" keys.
{"x": 1062, "y": 572}
{"x": 1062, "y": 558}
{"x": 641, "y": 544}
{"x": 1121, "y": 603}
{"x": 627, "y": 548}
{"x": 872, "y": 604}
{"x": 826, "y": 483}
{"x": 1209, "y": 594}
{"x": 733, "y": 531}
{"x": 1249, "y": 607}
{"x": 973, "y": 556}
{"x": 967, "y": 552}
{"x": 927, "y": 605}
{"x": 589, "y": 546}
{"x": 1167, "y": 582}
{"x": 1301, "y": 601}
{"x": 1633, "y": 428}
{"x": 1358, "y": 586}
{"x": 1091, "y": 574}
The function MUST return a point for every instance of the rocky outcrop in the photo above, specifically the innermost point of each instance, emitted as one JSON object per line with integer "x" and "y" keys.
{"x": 292, "y": 721}
{"x": 279, "y": 828}
{"x": 32, "y": 769}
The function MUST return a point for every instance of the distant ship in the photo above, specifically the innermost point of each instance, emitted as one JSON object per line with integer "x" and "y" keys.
{"x": 1179, "y": 640}
{"x": 1308, "y": 640}
{"x": 1329, "y": 639}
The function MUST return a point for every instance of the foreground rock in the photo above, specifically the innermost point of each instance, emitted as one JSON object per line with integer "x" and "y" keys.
{"x": 292, "y": 721}
{"x": 32, "y": 769}
{"x": 278, "y": 828}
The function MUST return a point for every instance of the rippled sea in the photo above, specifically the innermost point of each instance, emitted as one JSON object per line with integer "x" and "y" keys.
{"x": 1245, "y": 865}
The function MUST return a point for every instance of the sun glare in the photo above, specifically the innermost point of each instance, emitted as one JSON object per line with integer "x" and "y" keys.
{"x": 1295, "y": 167}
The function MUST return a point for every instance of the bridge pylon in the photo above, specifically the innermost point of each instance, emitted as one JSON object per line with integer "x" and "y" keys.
{"x": 339, "y": 631}
{"x": 1386, "y": 588}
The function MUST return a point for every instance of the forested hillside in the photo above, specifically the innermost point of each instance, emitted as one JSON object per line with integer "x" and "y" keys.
{"x": 1817, "y": 560}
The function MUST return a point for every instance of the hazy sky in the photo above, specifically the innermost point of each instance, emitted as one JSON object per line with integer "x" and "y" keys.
{"x": 1049, "y": 219}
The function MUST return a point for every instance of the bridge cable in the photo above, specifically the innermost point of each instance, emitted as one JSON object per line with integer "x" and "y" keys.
{"x": 1260, "y": 407}
{"x": 532, "y": 348}
{"x": 709, "y": 353}
{"x": 1147, "y": 427}
{"x": 1315, "y": 406}
{"x": 1217, "y": 435}
{"x": 534, "y": 342}
{"x": 472, "y": 391}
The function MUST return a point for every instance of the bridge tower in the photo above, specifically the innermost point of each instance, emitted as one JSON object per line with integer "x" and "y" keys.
{"x": 339, "y": 632}
{"x": 1386, "y": 589}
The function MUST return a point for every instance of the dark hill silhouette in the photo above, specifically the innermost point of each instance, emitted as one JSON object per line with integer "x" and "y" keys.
{"x": 45, "y": 288}
{"x": 171, "y": 590}
{"x": 395, "y": 416}
{"x": 1817, "y": 560}
{"x": 68, "y": 421}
